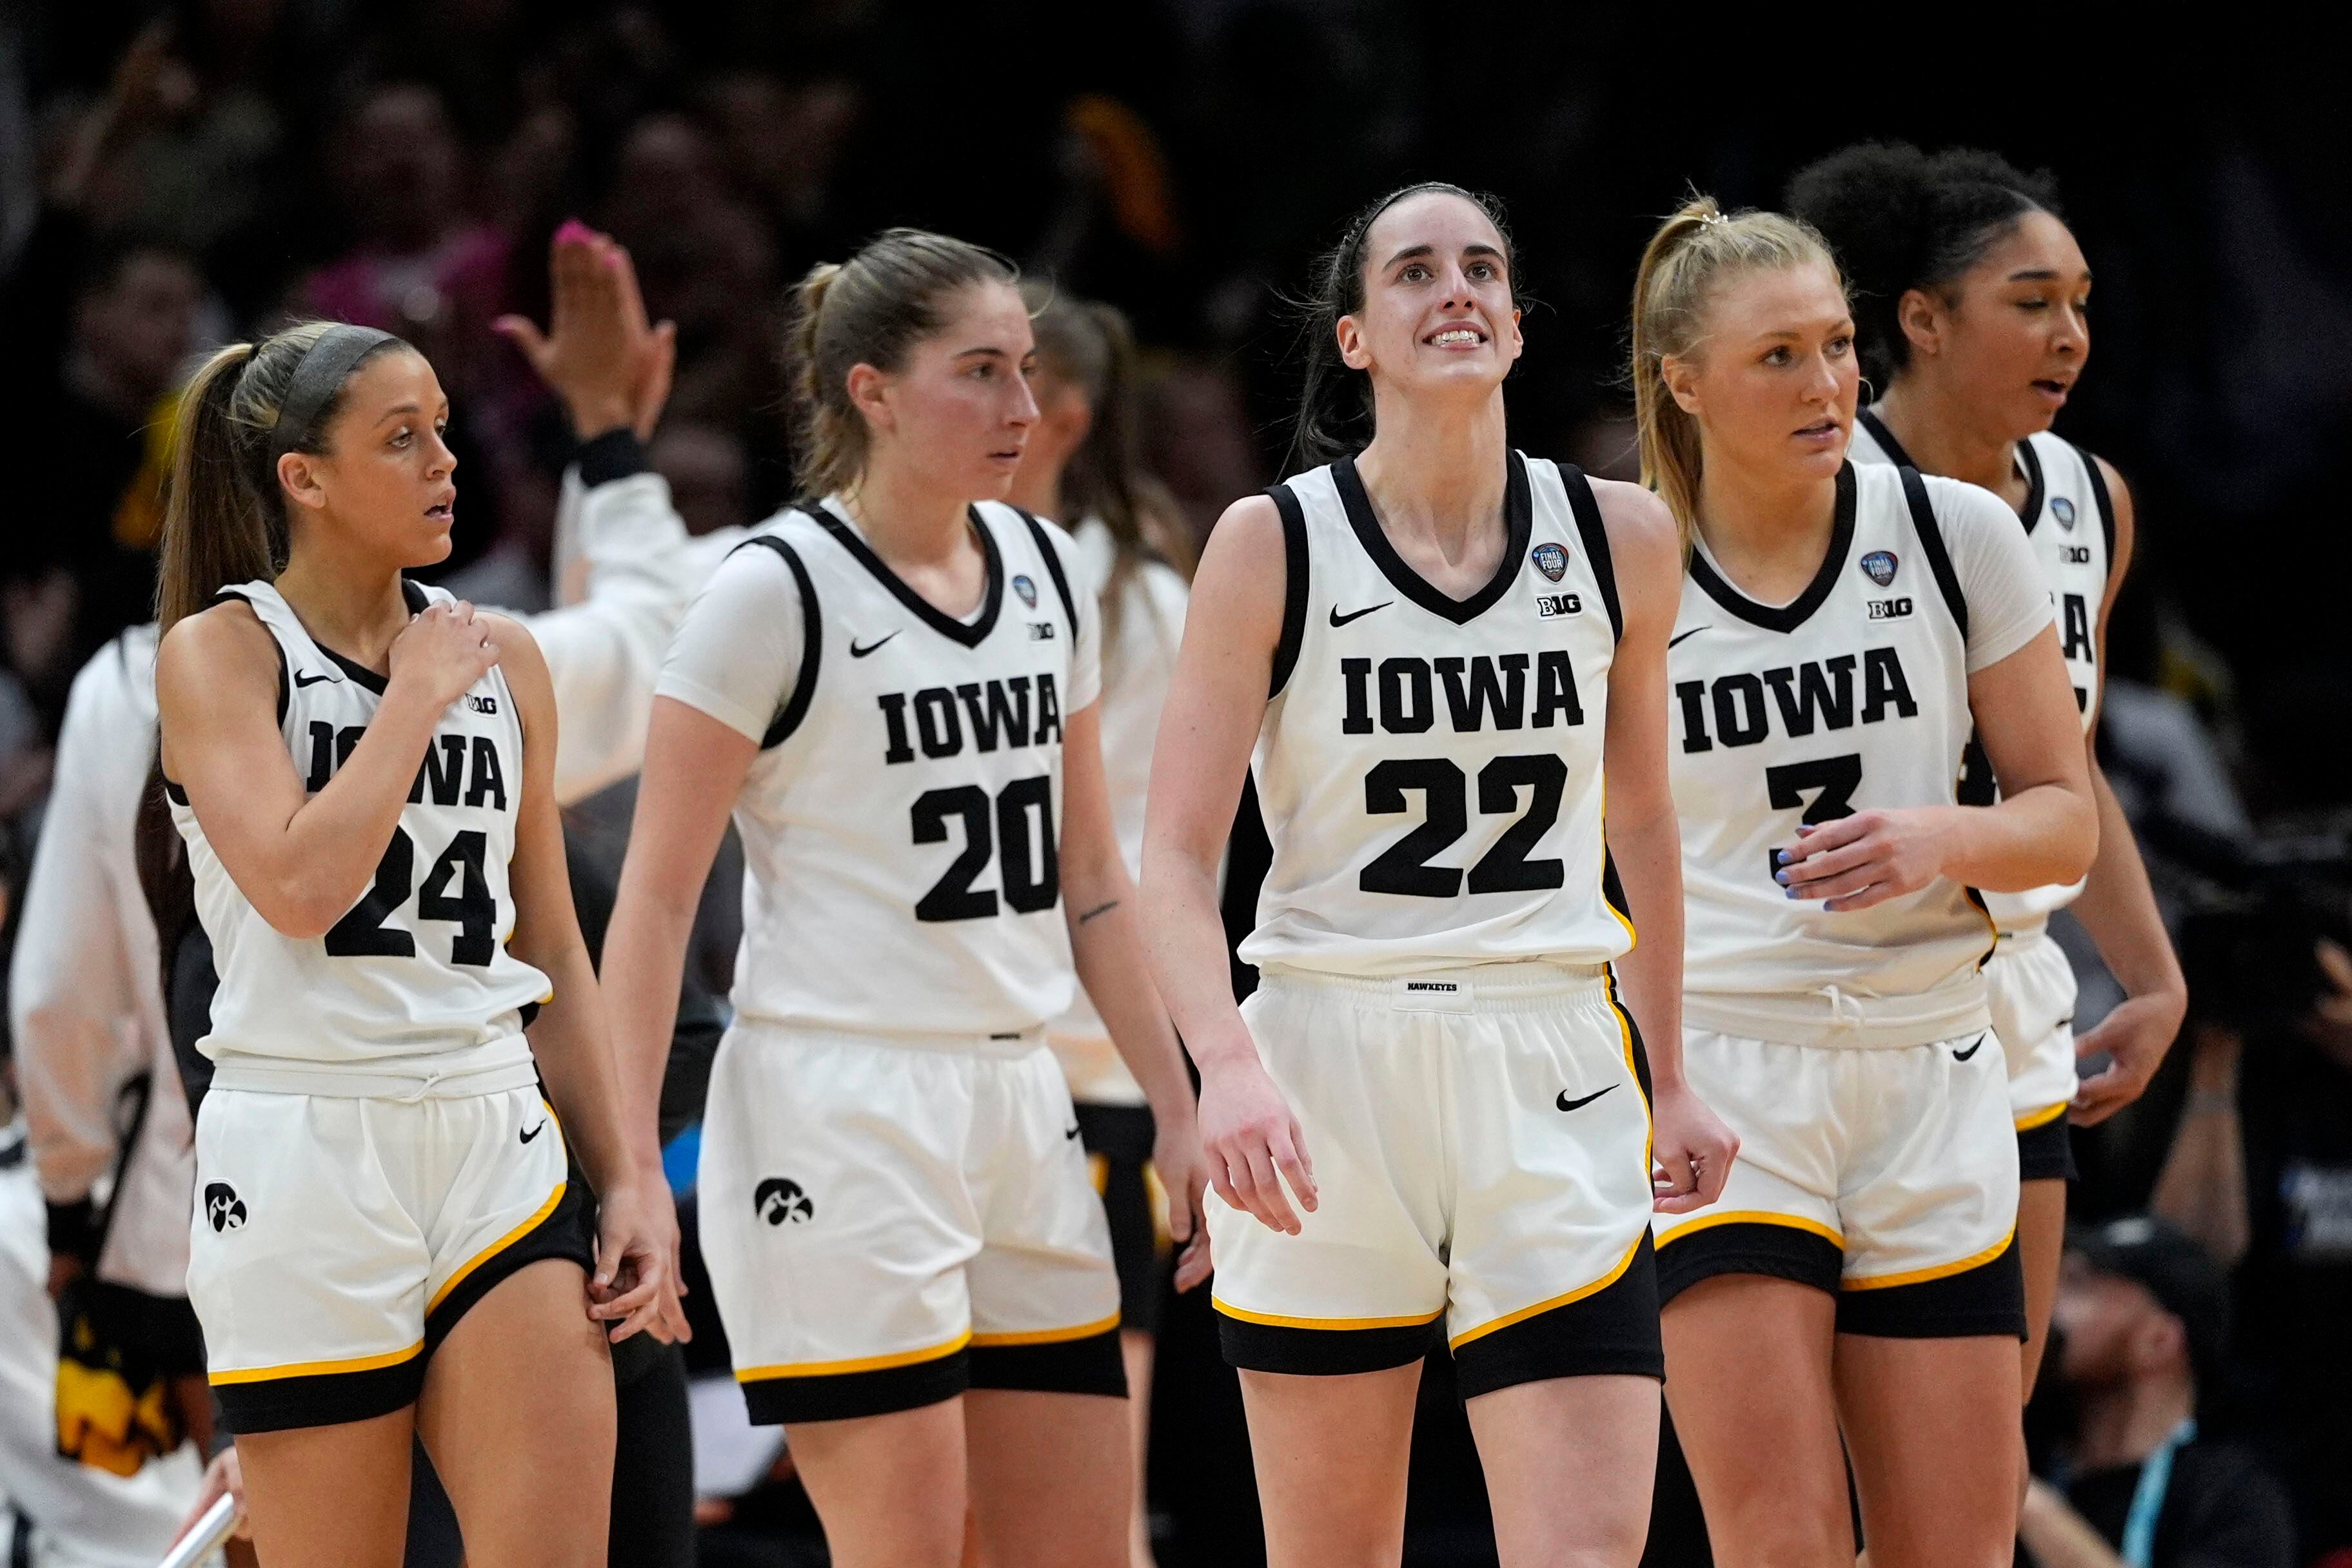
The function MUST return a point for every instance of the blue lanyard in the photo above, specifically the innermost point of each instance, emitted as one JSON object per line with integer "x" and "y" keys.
{"x": 2148, "y": 1497}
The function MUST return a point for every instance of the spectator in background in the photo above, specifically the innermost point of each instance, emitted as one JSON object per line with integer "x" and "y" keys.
{"x": 2260, "y": 1172}
{"x": 2142, "y": 1319}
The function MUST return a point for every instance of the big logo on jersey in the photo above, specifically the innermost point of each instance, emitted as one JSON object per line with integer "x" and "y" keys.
{"x": 224, "y": 1210}
{"x": 781, "y": 1202}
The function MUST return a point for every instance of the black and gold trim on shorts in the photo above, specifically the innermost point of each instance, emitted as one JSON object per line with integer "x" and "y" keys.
{"x": 330, "y": 1393}
{"x": 2045, "y": 1143}
{"x": 1080, "y": 1360}
{"x": 1980, "y": 1294}
{"x": 1323, "y": 1347}
{"x": 1117, "y": 1142}
{"x": 1608, "y": 1327}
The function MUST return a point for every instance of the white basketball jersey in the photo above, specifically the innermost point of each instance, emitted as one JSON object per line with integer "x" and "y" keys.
{"x": 901, "y": 825}
{"x": 415, "y": 982}
{"x": 1430, "y": 768}
{"x": 1853, "y": 695}
{"x": 2070, "y": 522}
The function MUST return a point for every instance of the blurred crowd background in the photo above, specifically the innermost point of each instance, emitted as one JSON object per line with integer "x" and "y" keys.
{"x": 172, "y": 176}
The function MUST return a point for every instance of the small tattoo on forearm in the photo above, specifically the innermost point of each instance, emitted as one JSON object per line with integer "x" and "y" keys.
{"x": 1099, "y": 909}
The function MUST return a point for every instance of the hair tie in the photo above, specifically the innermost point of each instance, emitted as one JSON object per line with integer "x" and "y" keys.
{"x": 1709, "y": 220}
{"x": 317, "y": 377}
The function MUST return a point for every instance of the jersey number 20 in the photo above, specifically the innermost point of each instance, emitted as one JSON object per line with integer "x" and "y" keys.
{"x": 999, "y": 829}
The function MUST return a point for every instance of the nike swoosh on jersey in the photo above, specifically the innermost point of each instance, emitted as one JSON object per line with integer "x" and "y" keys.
{"x": 1069, "y": 1132}
{"x": 305, "y": 678}
{"x": 857, "y": 652}
{"x": 534, "y": 1132}
{"x": 1339, "y": 620}
{"x": 1692, "y": 633}
{"x": 1565, "y": 1104}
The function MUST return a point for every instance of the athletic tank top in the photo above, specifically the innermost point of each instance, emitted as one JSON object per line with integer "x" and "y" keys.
{"x": 1853, "y": 695}
{"x": 901, "y": 824}
{"x": 414, "y": 984}
{"x": 2070, "y": 519}
{"x": 1430, "y": 768}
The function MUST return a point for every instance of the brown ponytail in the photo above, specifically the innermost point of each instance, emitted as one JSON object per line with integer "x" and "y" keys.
{"x": 867, "y": 310}
{"x": 223, "y": 519}
{"x": 1687, "y": 261}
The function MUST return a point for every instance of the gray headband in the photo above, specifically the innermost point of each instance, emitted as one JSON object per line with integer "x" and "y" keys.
{"x": 318, "y": 376}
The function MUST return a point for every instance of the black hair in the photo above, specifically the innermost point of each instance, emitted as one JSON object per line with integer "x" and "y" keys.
{"x": 1335, "y": 401}
{"x": 1901, "y": 219}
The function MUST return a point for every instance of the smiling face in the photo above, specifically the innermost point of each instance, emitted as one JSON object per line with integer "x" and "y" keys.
{"x": 2011, "y": 335}
{"x": 1437, "y": 311}
{"x": 958, "y": 412}
{"x": 1772, "y": 379}
{"x": 385, "y": 476}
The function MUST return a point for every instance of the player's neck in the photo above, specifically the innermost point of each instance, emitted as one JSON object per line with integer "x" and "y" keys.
{"x": 1439, "y": 474}
{"x": 1937, "y": 434}
{"x": 355, "y": 607}
{"x": 1038, "y": 489}
{"x": 1768, "y": 533}
{"x": 905, "y": 521}
{"x": 2123, "y": 1424}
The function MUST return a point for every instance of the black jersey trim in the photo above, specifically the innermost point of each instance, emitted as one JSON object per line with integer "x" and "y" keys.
{"x": 1595, "y": 535}
{"x": 1884, "y": 437}
{"x": 2035, "y": 488}
{"x": 1797, "y": 611}
{"x": 969, "y": 634}
{"x": 1294, "y": 587}
{"x": 1931, "y": 540}
{"x": 795, "y": 707}
{"x": 2106, "y": 507}
{"x": 1518, "y": 524}
{"x": 1054, "y": 569}
{"x": 285, "y": 691}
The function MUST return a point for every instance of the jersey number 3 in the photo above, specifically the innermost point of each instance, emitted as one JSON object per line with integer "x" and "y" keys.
{"x": 1836, "y": 779}
{"x": 456, "y": 889}
{"x": 1404, "y": 867}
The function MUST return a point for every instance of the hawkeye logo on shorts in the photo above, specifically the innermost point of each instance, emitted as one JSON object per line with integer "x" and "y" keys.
{"x": 223, "y": 1207}
{"x": 1879, "y": 567}
{"x": 1550, "y": 604}
{"x": 1551, "y": 560}
{"x": 781, "y": 1202}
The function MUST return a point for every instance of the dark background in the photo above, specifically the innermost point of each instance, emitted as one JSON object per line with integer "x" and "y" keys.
{"x": 1183, "y": 159}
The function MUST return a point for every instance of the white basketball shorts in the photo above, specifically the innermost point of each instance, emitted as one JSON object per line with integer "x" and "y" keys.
{"x": 2030, "y": 986}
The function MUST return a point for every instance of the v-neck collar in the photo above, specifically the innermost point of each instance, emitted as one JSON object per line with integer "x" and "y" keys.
{"x": 352, "y": 669}
{"x": 2029, "y": 514}
{"x": 970, "y": 633}
{"x": 1796, "y": 612}
{"x": 1519, "y": 525}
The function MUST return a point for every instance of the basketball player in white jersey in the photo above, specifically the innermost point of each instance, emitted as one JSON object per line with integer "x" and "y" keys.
{"x": 386, "y": 1244}
{"x": 1080, "y": 463}
{"x": 1839, "y": 628}
{"x": 892, "y": 686}
{"x": 1973, "y": 323}
{"x": 1432, "y": 1125}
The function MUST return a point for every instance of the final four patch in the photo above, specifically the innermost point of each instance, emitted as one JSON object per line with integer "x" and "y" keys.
{"x": 1551, "y": 561}
{"x": 1879, "y": 567}
{"x": 2064, "y": 510}
{"x": 1027, "y": 590}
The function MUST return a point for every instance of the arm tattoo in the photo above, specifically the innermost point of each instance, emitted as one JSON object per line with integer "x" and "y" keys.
{"x": 1099, "y": 909}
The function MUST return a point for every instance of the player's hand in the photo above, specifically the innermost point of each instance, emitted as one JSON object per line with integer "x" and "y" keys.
{"x": 223, "y": 1476}
{"x": 1867, "y": 858}
{"x": 610, "y": 367}
{"x": 1184, "y": 1176}
{"x": 2136, "y": 1036}
{"x": 1691, "y": 1151}
{"x": 442, "y": 653}
{"x": 1248, "y": 1134}
{"x": 636, "y": 1283}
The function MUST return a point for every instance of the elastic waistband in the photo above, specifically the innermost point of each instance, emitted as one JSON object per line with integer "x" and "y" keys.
{"x": 1829, "y": 1016}
{"x": 1474, "y": 989}
{"x": 2025, "y": 935}
{"x": 1007, "y": 1046}
{"x": 365, "y": 1080}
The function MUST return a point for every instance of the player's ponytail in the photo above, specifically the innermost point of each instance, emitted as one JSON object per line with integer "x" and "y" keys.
{"x": 1334, "y": 400}
{"x": 1901, "y": 219}
{"x": 223, "y": 519}
{"x": 1691, "y": 256}
{"x": 867, "y": 310}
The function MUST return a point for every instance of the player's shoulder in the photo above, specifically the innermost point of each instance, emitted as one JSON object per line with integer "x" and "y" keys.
{"x": 1639, "y": 527}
